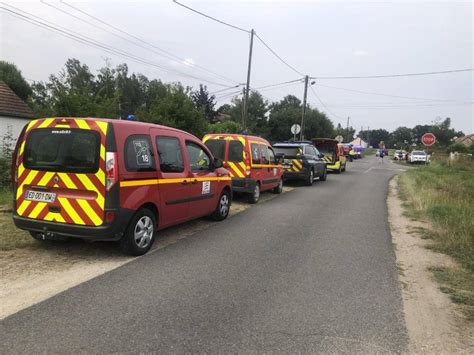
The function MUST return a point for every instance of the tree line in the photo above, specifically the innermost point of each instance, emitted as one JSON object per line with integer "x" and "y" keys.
{"x": 114, "y": 92}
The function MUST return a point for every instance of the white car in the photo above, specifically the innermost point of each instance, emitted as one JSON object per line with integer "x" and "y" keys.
{"x": 418, "y": 157}
{"x": 399, "y": 155}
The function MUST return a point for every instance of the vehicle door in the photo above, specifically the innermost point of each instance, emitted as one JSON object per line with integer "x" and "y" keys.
{"x": 276, "y": 168}
{"x": 268, "y": 179}
{"x": 255, "y": 165}
{"x": 319, "y": 163}
{"x": 204, "y": 183}
{"x": 174, "y": 183}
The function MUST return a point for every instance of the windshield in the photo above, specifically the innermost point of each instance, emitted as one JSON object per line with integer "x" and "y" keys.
{"x": 217, "y": 148}
{"x": 289, "y": 152}
{"x": 62, "y": 150}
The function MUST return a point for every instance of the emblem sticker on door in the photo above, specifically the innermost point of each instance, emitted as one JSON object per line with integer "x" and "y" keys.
{"x": 206, "y": 187}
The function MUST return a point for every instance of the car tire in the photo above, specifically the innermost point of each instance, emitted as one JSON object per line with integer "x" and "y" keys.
{"x": 344, "y": 168}
{"x": 140, "y": 233}
{"x": 310, "y": 178}
{"x": 279, "y": 188}
{"x": 223, "y": 207}
{"x": 324, "y": 177}
{"x": 338, "y": 171}
{"x": 255, "y": 195}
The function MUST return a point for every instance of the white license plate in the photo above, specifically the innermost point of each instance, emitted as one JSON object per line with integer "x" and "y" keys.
{"x": 286, "y": 166}
{"x": 40, "y": 196}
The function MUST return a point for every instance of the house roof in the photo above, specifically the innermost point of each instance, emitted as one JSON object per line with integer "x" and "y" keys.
{"x": 467, "y": 140}
{"x": 11, "y": 105}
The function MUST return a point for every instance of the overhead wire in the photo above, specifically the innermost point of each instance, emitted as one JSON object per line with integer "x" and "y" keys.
{"x": 388, "y": 95}
{"x": 323, "y": 104}
{"x": 212, "y": 18}
{"x": 43, "y": 23}
{"x": 394, "y": 75}
{"x": 162, "y": 52}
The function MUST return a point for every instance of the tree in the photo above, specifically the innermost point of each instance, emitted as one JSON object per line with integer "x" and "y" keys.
{"x": 177, "y": 109}
{"x": 444, "y": 133}
{"x": 375, "y": 136}
{"x": 206, "y": 102}
{"x": 225, "y": 127}
{"x": 11, "y": 76}
{"x": 402, "y": 137}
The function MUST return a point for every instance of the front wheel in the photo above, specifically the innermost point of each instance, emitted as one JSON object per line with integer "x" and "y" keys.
{"x": 255, "y": 195}
{"x": 223, "y": 207}
{"x": 310, "y": 179}
{"x": 324, "y": 176}
{"x": 140, "y": 233}
{"x": 279, "y": 188}
{"x": 344, "y": 168}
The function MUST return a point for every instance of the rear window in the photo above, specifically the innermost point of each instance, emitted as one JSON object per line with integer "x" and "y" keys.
{"x": 289, "y": 152}
{"x": 62, "y": 150}
{"x": 236, "y": 151}
{"x": 326, "y": 148}
{"x": 217, "y": 148}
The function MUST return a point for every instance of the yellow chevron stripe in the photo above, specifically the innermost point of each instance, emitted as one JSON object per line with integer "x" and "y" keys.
{"x": 91, "y": 187}
{"x": 89, "y": 211}
{"x": 297, "y": 163}
{"x": 21, "y": 170}
{"x": 242, "y": 165}
{"x": 38, "y": 208}
{"x": 82, "y": 124}
{"x": 46, "y": 123}
{"x": 236, "y": 169}
{"x": 70, "y": 210}
{"x": 102, "y": 152}
{"x": 102, "y": 126}
{"x": 24, "y": 205}
{"x": 30, "y": 125}
{"x": 27, "y": 181}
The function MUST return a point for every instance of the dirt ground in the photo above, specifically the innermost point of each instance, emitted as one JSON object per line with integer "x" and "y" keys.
{"x": 434, "y": 324}
{"x": 37, "y": 271}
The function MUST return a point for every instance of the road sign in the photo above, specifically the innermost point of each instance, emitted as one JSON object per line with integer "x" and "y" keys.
{"x": 339, "y": 139}
{"x": 428, "y": 139}
{"x": 296, "y": 128}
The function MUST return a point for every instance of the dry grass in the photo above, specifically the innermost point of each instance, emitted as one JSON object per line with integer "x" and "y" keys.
{"x": 444, "y": 194}
{"x": 5, "y": 196}
{"x": 12, "y": 237}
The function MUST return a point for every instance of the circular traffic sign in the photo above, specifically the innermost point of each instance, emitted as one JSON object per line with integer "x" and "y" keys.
{"x": 428, "y": 139}
{"x": 296, "y": 128}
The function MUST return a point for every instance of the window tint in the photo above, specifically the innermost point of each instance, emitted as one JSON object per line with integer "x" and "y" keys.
{"x": 264, "y": 151}
{"x": 198, "y": 158}
{"x": 62, "y": 150}
{"x": 236, "y": 151}
{"x": 289, "y": 152}
{"x": 138, "y": 153}
{"x": 309, "y": 150}
{"x": 217, "y": 147}
{"x": 316, "y": 152}
{"x": 271, "y": 155}
{"x": 171, "y": 157}
{"x": 255, "y": 156}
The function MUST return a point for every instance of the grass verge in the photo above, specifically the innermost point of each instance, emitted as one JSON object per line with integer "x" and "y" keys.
{"x": 444, "y": 195}
{"x": 5, "y": 196}
{"x": 12, "y": 237}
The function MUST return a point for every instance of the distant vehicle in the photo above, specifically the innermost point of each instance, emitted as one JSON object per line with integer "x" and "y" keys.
{"x": 377, "y": 153}
{"x": 113, "y": 180}
{"x": 357, "y": 149}
{"x": 333, "y": 153}
{"x": 301, "y": 161}
{"x": 418, "y": 157}
{"x": 251, "y": 162}
{"x": 399, "y": 155}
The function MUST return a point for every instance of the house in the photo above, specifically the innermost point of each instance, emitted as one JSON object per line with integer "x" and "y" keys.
{"x": 361, "y": 142}
{"x": 466, "y": 140}
{"x": 14, "y": 113}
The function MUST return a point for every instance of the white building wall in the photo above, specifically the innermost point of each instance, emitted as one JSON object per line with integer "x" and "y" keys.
{"x": 16, "y": 125}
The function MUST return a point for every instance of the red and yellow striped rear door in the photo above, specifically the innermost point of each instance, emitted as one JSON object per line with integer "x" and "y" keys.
{"x": 79, "y": 197}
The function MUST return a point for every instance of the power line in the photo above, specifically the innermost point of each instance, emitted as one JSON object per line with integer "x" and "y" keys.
{"x": 210, "y": 17}
{"x": 322, "y": 103}
{"x": 162, "y": 52}
{"x": 395, "y": 75}
{"x": 91, "y": 42}
{"x": 276, "y": 55}
{"x": 277, "y": 84}
{"x": 229, "y": 88}
{"x": 388, "y": 95}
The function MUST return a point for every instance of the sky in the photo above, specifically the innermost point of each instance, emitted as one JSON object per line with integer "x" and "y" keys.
{"x": 317, "y": 38}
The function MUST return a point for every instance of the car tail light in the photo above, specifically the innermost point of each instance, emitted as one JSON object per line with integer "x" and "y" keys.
{"x": 109, "y": 217}
{"x": 111, "y": 172}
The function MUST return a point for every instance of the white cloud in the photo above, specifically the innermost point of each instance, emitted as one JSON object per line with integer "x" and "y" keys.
{"x": 360, "y": 53}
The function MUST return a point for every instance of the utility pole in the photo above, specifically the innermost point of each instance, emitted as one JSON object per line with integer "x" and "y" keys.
{"x": 368, "y": 136}
{"x": 347, "y": 129}
{"x": 304, "y": 106}
{"x": 247, "y": 87}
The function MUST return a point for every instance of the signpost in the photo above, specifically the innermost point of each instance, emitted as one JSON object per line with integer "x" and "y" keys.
{"x": 295, "y": 129}
{"x": 428, "y": 139}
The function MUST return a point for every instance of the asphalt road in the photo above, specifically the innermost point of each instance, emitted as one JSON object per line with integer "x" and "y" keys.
{"x": 310, "y": 271}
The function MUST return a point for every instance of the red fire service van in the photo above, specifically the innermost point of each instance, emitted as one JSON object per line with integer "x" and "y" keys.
{"x": 251, "y": 162}
{"x": 101, "y": 179}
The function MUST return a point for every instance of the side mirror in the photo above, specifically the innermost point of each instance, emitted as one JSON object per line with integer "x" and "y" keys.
{"x": 217, "y": 163}
{"x": 321, "y": 155}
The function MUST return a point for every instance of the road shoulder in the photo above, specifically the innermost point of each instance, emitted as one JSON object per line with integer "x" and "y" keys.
{"x": 433, "y": 323}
